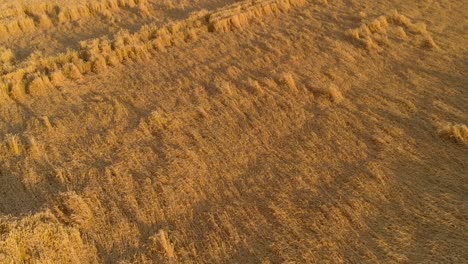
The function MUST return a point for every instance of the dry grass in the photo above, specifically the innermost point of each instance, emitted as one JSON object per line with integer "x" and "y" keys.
{"x": 14, "y": 144}
{"x": 330, "y": 91}
{"x": 33, "y": 76}
{"x": 375, "y": 34}
{"x": 41, "y": 238}
{"x": 238, "y": 15}
{"x": 288, "y": 80}
{"x": 6, "y": 55}
{"x": 167, "y": 246}
{"x": 455, "y": 132}
{"x": 29, "y": 16}
{"x": 222, "y": 131}
{"x": 6, "y": 59}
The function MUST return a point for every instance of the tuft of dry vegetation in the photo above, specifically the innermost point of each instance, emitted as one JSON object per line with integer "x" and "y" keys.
{"x": 30, "y": 15}
{"x": 288, "y": 80}
{"x": 376, "y": 34}
{"x": 455, "y": 132}
{"x": 14, "y": 144}
{"x": 331, "y": 92}
{"x": 168, "y": 247}
{"x": 41, "y": 238}
{"x": 238, "y": 15}
{"x": 6, "y": 59}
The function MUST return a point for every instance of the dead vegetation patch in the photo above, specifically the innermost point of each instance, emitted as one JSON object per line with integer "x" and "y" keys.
{"x": 39, "y": 73}
{"x": 393, "y": 27}
{"x": 19, "y": 19}
{"x": 238, "y": 15}
{"x": 331, "y": 92}
{"x": 457, "y": 133}
{"x": 6, "y": 59}
{"x": 34, "y": 239}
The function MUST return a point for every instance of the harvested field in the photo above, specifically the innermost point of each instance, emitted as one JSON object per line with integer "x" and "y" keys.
{"x": 216, "y": 131}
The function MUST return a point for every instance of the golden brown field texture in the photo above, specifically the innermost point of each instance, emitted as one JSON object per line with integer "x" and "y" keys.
{"x": 223, "y": 131}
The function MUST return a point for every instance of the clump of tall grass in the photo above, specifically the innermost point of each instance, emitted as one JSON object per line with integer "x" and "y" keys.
{"x": 27, "y": 18}
{"x": 375, "y": 33}
{"x": 14, "y": 144}
{"x": 240, "y": 14}
{"x": 456, "y": 132}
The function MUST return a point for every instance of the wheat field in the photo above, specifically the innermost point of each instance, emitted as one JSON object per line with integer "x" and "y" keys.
{"x": 222, "y": 131}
